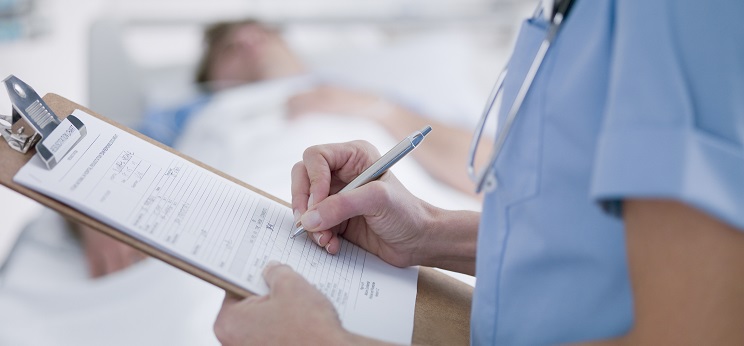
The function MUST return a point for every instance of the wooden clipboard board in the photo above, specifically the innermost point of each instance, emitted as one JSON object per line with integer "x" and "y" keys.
{"x": 442, "y": 315}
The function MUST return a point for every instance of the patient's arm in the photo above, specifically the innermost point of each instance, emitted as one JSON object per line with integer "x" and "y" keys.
{"x": 446, "y": 151}
{"x": 105, "y": 255}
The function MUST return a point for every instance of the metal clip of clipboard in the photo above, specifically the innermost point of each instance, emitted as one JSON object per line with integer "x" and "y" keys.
{"x": 54, "y": 138}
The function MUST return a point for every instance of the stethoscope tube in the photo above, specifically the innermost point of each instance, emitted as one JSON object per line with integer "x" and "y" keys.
{"x": 487, "y": 178}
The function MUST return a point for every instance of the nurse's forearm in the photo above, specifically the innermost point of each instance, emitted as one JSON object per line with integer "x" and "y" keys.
{"x": 451, "y": 241}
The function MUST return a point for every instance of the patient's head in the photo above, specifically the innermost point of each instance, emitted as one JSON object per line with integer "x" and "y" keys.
{"x": 242, "y": 52}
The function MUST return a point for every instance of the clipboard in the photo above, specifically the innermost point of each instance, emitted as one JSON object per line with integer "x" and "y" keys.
{"x": 442, "y": 312}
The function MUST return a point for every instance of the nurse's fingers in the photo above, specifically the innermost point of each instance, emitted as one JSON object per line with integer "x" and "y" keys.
{"x": 333, "y": 245}
{"x": 322, "y": 238}
{"x": 300, "y": 189}
{"x": 371, "y": 199}
{"x": 319, "y": 161}
{"x": 284, "y": 282}
{"x": 300, "y": 199}
{"x": 331, "y": 166}
{"x": 324, "y": 170}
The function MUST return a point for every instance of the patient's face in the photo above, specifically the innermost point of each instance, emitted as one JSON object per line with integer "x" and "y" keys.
{"x": 242, "y": 55}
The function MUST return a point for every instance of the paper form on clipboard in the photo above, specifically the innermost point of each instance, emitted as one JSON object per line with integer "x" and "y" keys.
{"x": 219, "y": 226}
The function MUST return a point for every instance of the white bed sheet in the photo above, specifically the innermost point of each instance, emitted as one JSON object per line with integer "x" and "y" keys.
{"x": 46, "y": 297}
{"x": 245, "y": 133}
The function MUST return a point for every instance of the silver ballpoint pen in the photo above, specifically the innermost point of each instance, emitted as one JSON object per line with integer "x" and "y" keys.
{"x": 382, "y": 165}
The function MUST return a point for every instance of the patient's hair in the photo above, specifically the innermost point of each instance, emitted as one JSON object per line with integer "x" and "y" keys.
{"x": 213, "y": 34}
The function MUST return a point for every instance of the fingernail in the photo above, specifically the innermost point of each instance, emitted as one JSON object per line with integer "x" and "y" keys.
{"x": 328, "y": 246}
{"x": 297, "y": 216}
{"x": 311, "y": 219}
{"x": 318, "y": 237}
{"x": 310, "y": 201}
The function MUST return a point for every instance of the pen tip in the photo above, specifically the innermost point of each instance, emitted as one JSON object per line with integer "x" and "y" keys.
{"x": 296, "y": 232}
{"x": 425, "y": 131}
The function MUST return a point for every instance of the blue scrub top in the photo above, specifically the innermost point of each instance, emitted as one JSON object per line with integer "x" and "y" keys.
{"x": 635, "y": 99}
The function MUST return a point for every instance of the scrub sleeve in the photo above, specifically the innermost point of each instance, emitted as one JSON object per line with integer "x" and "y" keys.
{"x": 674, "y": 123}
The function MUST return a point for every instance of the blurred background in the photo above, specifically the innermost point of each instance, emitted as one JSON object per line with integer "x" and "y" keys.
{"x": 123, "y": 57}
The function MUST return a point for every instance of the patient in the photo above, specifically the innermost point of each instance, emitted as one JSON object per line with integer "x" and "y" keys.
{"x": 236, "y": 53}
{"x": 242, "y": 52}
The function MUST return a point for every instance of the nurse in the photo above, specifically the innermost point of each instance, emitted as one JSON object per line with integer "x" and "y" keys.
{"x": 613, "y": 208}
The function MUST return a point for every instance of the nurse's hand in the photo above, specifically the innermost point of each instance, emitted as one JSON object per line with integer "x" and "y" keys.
{"x": 293, "y": 313}
{"x": 382, "y": 216}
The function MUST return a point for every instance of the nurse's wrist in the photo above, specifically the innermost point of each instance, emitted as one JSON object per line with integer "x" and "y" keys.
{"x": 450, "y": 241}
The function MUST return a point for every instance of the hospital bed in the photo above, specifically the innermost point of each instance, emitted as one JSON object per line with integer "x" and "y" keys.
{"x": 44, "y": 286}
{"x": 439, "y": 62}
